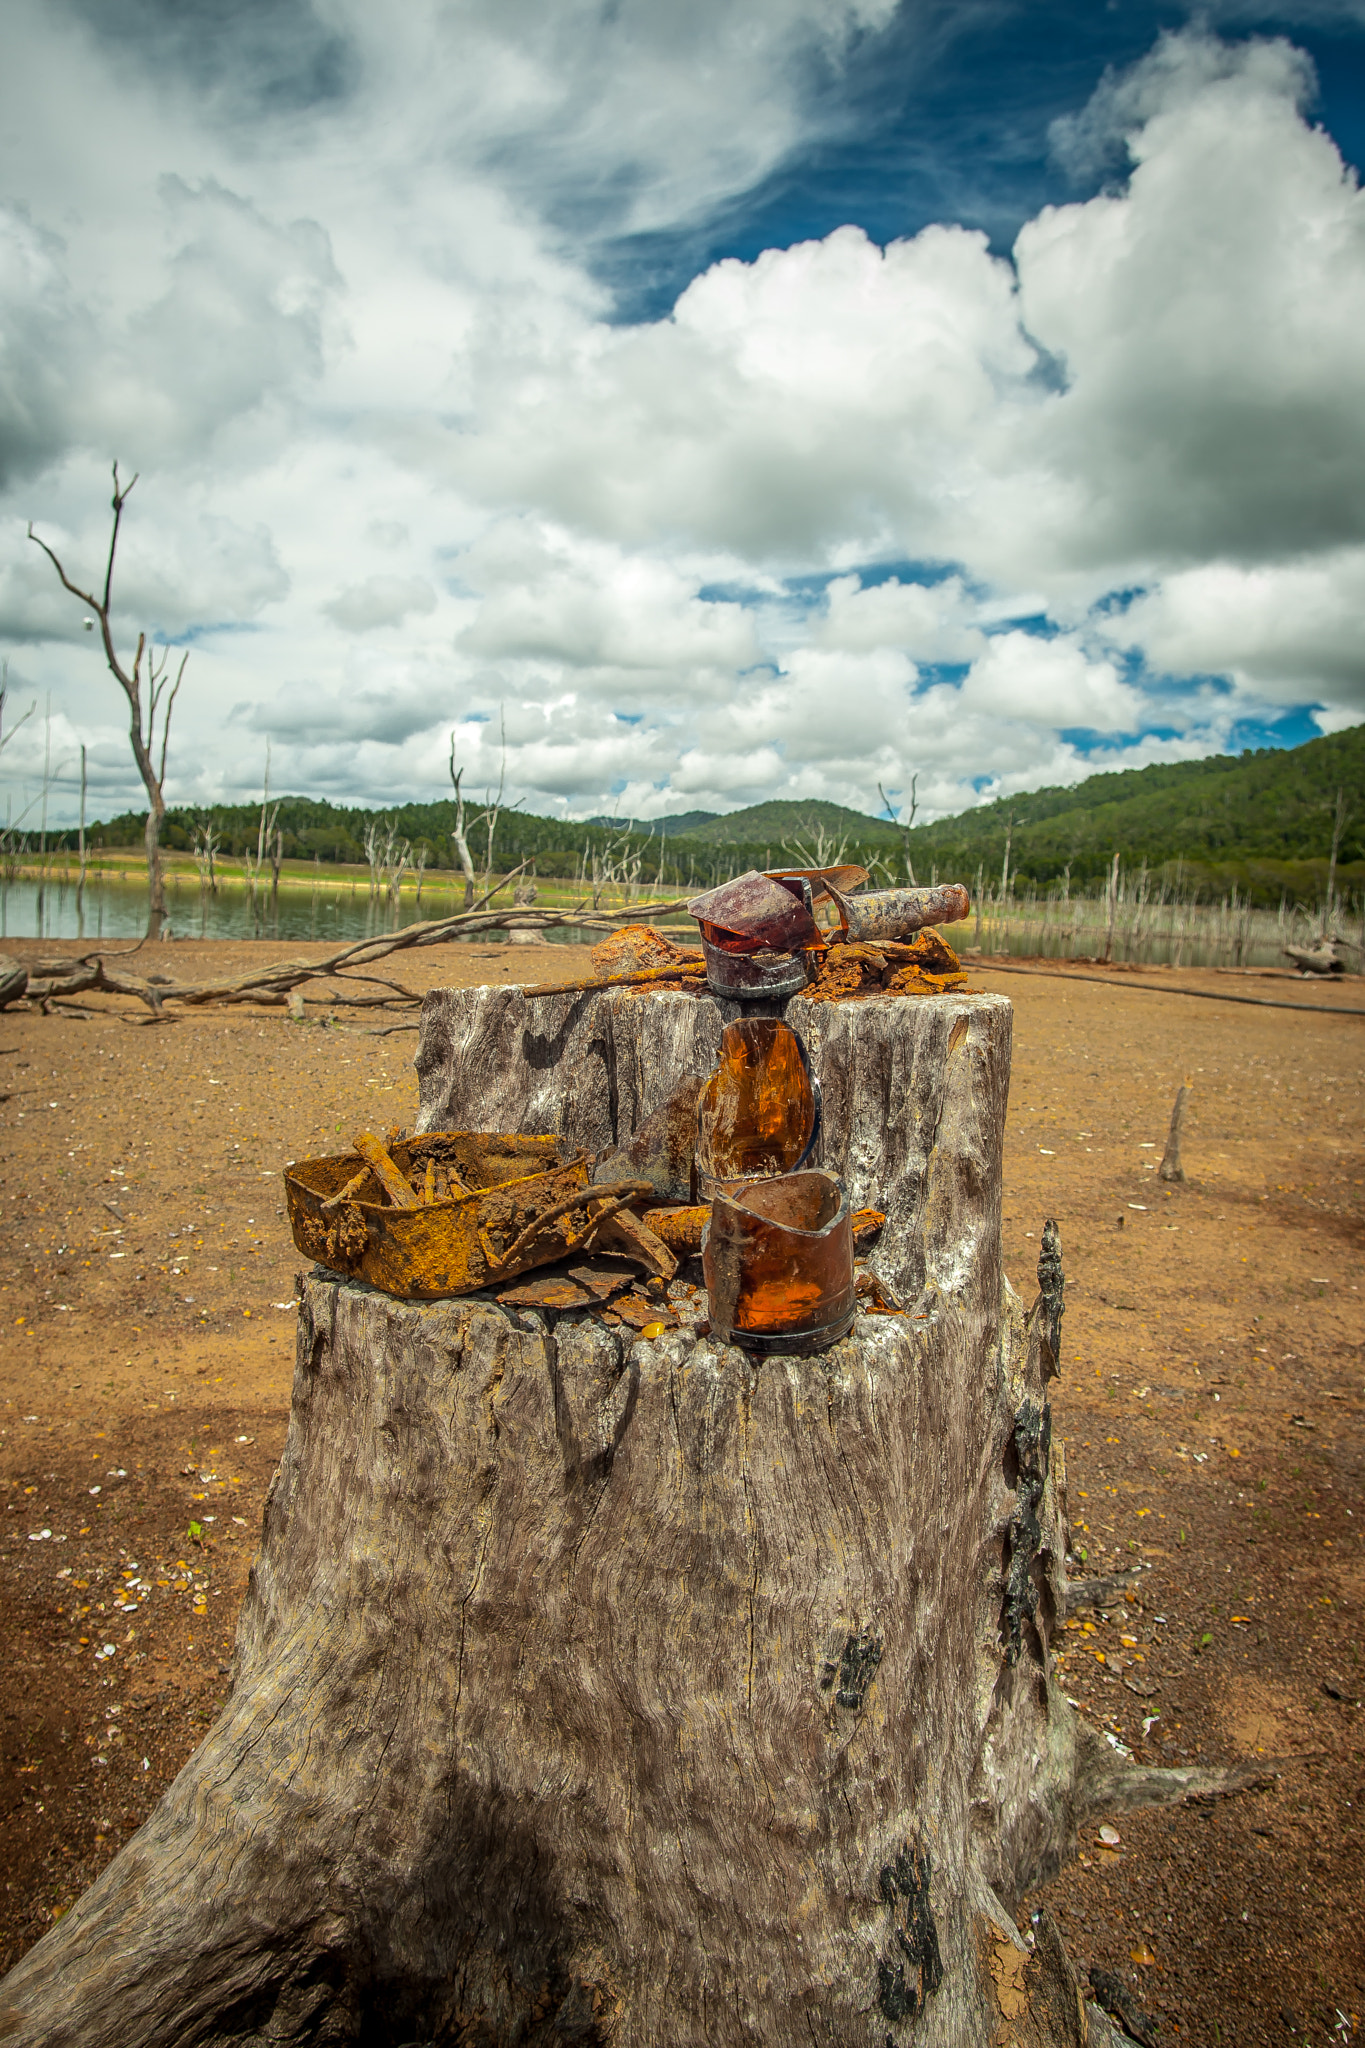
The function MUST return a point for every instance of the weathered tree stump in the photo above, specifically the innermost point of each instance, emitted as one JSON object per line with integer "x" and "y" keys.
{"x": 591, "y": 1689}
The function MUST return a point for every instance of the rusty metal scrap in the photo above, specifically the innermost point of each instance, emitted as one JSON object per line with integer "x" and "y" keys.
{"x": 586, "y": 1284}
{"x": 516, "y": 1203}
{"x": 926, "y": 965}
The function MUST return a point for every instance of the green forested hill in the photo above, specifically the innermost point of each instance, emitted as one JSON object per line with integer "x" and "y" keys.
{"x": 1263, "y": 820}
{"x": 1260, "y": 820}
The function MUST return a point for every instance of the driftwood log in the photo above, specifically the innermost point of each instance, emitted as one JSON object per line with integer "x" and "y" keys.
{"x": 278, "y": 983}
{"x": 600, "y": 1690}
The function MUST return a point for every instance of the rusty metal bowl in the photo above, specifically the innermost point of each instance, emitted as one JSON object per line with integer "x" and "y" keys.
{"x": 519, "y": 1212}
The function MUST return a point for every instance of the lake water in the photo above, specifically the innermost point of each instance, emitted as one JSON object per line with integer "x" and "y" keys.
{"x": 117, "y": 909}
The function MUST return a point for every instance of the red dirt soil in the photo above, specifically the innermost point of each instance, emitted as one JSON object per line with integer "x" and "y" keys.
{"x": 1211, "y": 1408}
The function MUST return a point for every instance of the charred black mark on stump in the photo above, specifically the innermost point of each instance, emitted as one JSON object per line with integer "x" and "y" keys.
{"x": 855, "y": 1670}
{"x": 914, "y": 1970}
{"x": 1050, "y": 1307}
{"x": 1027, "y": 1452}
{"x": 541, "y": 1051}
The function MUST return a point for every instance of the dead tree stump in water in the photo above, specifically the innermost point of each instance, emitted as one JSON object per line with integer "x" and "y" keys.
{"x": 597, "y": 1690}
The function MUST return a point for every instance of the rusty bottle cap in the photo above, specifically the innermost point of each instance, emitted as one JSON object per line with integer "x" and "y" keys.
{"x": 778, "y": 1260}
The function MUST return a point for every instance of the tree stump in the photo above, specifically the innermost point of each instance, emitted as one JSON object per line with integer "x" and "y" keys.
{"x": 600, "y": 1690}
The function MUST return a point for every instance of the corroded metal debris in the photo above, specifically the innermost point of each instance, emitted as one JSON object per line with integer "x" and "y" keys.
{"x": 482, "y": 1208}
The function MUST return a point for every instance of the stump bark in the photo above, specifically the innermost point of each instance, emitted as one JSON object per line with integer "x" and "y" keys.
{"x": 600, "y": 1690}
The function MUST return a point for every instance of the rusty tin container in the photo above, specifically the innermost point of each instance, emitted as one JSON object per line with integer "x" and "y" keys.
{"x": 456, "y": 1245}
{"x": 778, "y": 1260}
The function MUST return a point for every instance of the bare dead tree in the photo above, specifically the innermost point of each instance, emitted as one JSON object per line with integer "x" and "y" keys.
{"x": 1170, "y": 1168}
{"x": 487, "y": 817}
{"x": 458, "y": 834}
{"x": 264, "y": 832}
{"x": 493, "y": 805}
{"x": 819, "y": 848}
{"x": 206, "y": 845}
{"x": 80, "y": 883}
{"x": 904, "y": 823}
{"x": 6, "y": 737}
{"x": 151, "y": 762}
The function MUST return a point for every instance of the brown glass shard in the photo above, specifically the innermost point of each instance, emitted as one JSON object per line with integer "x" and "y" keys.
{"x": 778, "y": 1262}
{"x": 756, "y": 912}
{"x": 759, "y": 1113}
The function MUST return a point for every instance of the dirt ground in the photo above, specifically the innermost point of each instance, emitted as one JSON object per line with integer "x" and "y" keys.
{"x": 1211, "y": 1407}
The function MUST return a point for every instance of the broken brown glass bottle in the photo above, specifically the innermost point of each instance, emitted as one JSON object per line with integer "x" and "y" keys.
{"x": 759, "y": 1112}
{"x": 778, "y": 1260}
{"x": 755, "y": 930}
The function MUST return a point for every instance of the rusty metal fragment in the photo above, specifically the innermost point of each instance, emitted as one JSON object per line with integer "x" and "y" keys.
{"x": 521, "y": 1205}
{"x": 586, "y": 1284}
{"x": 778, "y": 1260}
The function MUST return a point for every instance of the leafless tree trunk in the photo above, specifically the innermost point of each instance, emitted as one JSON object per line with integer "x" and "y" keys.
{"x": 151, "y": 762}
{"x": 905, "y": 824}
{"x": 459, "y": 835}
{"x": 1113, "y": 893}
{"x": 1171, "y": 1168}
{"x": 80, "y": 881}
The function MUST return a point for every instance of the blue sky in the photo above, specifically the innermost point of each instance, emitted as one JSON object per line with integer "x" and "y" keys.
{"x": 773, "y": 397}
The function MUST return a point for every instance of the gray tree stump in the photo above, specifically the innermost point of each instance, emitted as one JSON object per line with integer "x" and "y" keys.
{"x": 597, "y": 1690}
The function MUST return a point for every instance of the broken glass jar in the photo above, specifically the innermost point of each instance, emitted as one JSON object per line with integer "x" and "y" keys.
{"x": 778, "y": 1260}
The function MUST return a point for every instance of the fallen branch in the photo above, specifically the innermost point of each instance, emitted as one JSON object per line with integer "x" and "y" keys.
{"x": 274, "y": 983}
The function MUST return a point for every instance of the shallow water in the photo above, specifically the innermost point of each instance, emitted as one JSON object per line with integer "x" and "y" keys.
{"x": 114, "y": 908}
